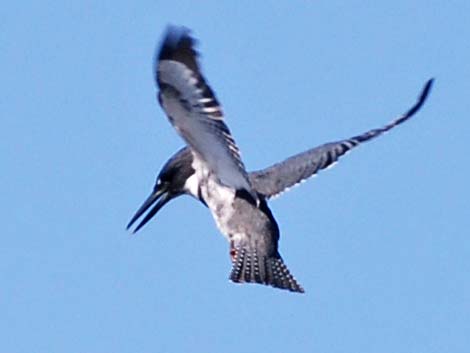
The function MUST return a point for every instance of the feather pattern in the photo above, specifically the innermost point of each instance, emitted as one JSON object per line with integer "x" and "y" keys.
{"x": 249, "y": 267}
{"x": 194, "y": 110}
{"x": 281, "y": 176}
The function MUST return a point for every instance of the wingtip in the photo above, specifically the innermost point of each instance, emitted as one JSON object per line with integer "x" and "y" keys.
{"x": 427, "y": 88}
{"x": 176, "y": 39}
{"x": 177, "y": 45}
{"x": 421, "y": 99}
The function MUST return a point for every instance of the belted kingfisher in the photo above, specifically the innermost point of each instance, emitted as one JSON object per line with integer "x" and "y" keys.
{"x": 210, "y": 168}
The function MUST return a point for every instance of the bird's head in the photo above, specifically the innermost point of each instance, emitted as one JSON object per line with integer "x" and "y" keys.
{"x": 171, "y": 183}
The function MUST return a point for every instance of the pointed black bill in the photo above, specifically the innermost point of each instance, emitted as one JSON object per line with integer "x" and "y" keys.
{"x": 160, "y": 197}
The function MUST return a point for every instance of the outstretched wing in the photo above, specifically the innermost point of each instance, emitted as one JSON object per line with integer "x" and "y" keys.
{"x": 281, "y": 176}
{"x": 193, "y": 109}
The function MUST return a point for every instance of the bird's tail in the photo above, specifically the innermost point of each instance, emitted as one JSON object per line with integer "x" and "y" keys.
{"x": 248, "y": 267}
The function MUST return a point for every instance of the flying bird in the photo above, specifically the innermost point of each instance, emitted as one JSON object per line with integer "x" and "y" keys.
{"x": 210, "y": 169}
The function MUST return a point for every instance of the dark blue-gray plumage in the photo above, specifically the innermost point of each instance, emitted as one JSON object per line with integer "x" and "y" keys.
{"x": 211, "y": 170}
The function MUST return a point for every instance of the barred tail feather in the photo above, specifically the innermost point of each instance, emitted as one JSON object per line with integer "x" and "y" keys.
{"x": 248, "y": 267}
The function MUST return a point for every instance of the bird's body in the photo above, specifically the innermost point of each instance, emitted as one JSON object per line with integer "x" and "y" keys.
{"x": 249, "y": 227}
{"x": 211, "y": 170}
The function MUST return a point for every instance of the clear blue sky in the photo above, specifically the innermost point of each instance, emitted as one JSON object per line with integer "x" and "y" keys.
{"x": 381, "y": 242}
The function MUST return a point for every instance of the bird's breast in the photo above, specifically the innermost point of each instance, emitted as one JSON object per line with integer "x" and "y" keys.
{"x": 219, "y": 198}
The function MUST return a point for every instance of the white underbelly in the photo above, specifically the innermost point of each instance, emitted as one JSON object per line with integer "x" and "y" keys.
{"x": 218, "y": 197}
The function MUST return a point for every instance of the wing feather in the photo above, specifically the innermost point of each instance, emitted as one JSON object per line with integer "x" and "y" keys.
{"x": 194, "y": 110}
{"x": 281, "y": 176}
